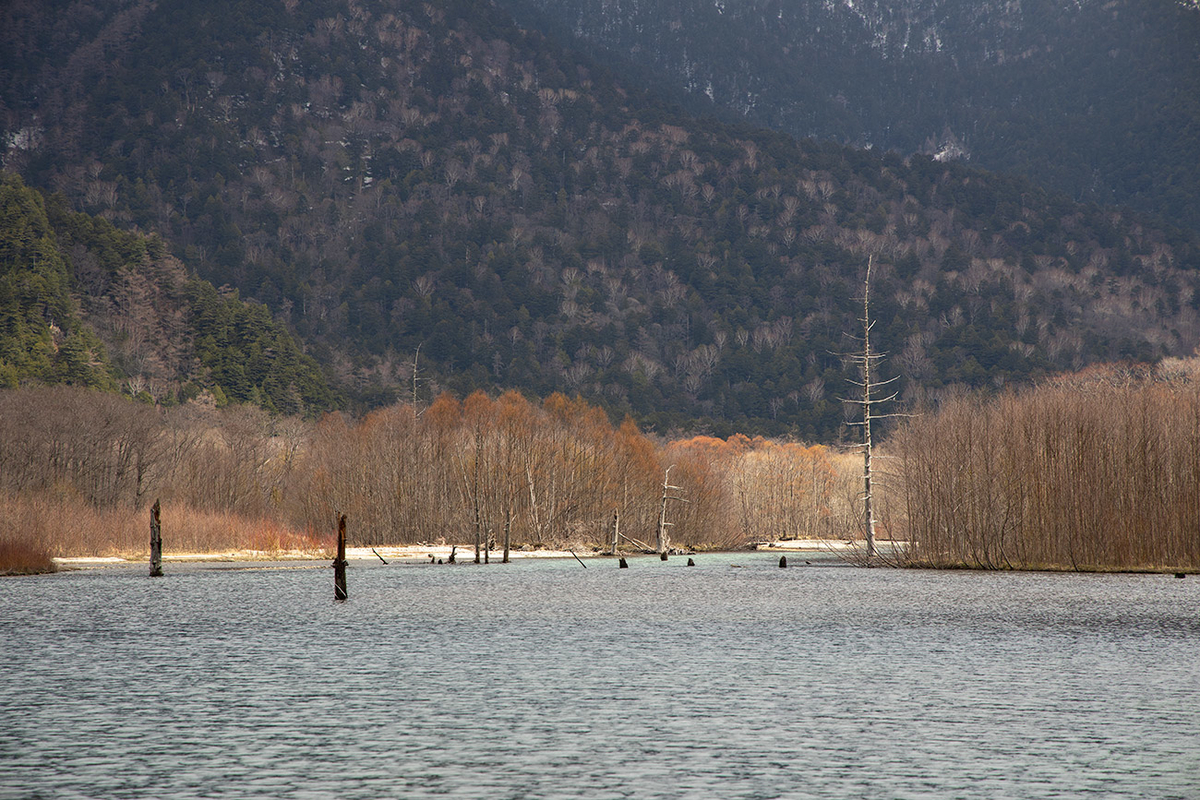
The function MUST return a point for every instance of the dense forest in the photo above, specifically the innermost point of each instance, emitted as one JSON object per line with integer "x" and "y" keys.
{"x": 85, "y": 304}
{"x": 1099, "y": 99}
{"x": 431, "y": 198}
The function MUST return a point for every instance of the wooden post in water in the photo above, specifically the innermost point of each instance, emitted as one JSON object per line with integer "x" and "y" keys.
{"x": 156, "y": 541}
{"x": 339, "y": 563}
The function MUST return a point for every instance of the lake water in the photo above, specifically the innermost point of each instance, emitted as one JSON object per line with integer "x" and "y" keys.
{"x": 542, "y": 679}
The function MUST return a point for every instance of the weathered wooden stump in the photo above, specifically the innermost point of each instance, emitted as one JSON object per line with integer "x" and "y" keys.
{"x": 783, "y": 562}
{"x": 662, "y": 556}
{"x": 1180, "y": 575}
{"x": 339, "y": 563}
{"x": 156, "y": 541}
{"x": 691, "y": 563}
{"x": 623, "y": 564}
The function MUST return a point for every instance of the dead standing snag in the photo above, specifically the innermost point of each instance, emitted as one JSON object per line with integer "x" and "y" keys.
{"x": 663, "y": 539}
{"x": 339, "y": 563}
{"x": 155, "y": 541}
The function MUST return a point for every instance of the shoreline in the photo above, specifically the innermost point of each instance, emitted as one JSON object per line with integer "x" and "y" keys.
{"x": 412, "y": 553}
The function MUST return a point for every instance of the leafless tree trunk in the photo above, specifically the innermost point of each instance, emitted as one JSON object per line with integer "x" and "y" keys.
{"x": 508, "y": 514}
{"x": 663, "y": 543}
{"x": 866, "y": 361}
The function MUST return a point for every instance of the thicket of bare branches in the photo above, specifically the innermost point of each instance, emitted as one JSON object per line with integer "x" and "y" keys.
{"x": 553, "y": 473}
{"x": 767, "y": 490}
{"x": 78, "y": 469}
{"x": 1096, "y": 471}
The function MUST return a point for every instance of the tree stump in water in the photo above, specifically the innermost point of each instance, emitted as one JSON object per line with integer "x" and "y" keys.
{"x": 339, "y": 563}
{"x": 783, "y": 562}
{"x": 691, "y": 563}
{"x": 155, "y": 541}
{"x": 623, "y": 564}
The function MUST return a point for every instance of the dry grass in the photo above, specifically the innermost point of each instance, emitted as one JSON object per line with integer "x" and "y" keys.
{"x": 65, "y": 526}
{"x": 23, "y": 557}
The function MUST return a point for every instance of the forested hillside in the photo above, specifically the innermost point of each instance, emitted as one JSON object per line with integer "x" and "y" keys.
{"x": 393, "y": 176}
{"x": 85, "y": 304}
{"x": 1096, "y": 98}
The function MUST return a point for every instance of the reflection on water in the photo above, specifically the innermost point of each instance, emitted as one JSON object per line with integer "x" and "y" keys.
{"x": 541, "y": 679}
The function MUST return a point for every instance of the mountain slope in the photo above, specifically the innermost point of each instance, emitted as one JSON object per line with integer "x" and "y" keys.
{"x": 82, "y": 303}
{"x": 1098, "y": 98}
{"x": 391, "y": 176}
{"x": 41, "y": 333}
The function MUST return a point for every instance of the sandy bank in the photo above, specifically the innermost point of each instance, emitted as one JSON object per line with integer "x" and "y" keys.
{"x": 403, "y": 553}
{"x": 416, "y": 553}
{"x": 808, "y": 545}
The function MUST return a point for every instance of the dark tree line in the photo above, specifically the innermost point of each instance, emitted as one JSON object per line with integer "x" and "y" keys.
{"x": 388, "y": 177}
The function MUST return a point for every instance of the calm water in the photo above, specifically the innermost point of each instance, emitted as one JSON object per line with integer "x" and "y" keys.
{"x": 542, "y": 679}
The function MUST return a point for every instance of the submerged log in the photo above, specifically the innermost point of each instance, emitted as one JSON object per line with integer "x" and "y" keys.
{"x": 156, "y": 541}
{"x": 339, "y": 563}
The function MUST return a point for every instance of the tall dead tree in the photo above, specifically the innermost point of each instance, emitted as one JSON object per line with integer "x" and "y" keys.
{"x": 866, "y": 361}
{"x": 415, "y": 378}
{"x": 663, "y": 539}
{"x": 616, "y": 531}
{"x": 508, "y": 517}
{"x": 475, "y": 502}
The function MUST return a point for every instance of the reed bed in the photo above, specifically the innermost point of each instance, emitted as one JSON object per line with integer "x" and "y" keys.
{"x": 22, "y": 556}
{"x": 62, "y": 526}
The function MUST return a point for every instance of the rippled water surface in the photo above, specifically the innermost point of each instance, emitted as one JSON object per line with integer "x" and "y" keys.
{"x": 541, "y": 679}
